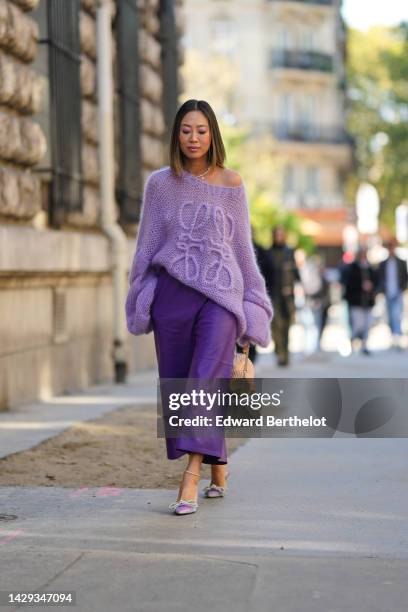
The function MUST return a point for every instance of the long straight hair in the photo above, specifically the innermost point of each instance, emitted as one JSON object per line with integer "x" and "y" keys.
{"x": 216, "y": 152}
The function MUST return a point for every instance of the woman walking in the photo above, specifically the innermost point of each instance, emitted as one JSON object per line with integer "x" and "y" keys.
{"x": 194, "y": 279}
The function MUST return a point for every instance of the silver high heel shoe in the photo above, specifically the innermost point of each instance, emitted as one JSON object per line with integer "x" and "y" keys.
{"x": 212, "y": 490}
{"x": 185, "y": 506}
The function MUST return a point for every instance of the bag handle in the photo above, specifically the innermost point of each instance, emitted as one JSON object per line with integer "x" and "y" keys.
{"x": 245, "y": 350}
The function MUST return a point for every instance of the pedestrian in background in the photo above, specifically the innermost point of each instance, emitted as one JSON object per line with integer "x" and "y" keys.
{"x": 393, "y": 281}
{"x": 343, "y": 270}
{"x": 280, "y": 271}
{"x": 360, "y": 288}
{"x": 316, "y": 298}
{"x": 324, "y": 297}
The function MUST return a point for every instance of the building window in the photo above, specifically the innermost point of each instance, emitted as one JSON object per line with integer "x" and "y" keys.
{"x": 129, "y": 184}
{"x": 289, "y": 179}
{"x": 307, "y": 40}
{"x": 309, "y": 108}
{"x": 283, "y": 39}
{"x": 64, "y": 56}
{"x": 312, "y": 180}
{"x": 223, "y": 36}
{"x": 286, "y": 109}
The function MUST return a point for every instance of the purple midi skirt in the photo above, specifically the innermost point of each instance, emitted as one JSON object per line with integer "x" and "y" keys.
{"x": 194, "y": 338}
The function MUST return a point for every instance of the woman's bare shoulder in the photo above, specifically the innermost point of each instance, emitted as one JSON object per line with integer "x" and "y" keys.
{"x": 230, "y": 178}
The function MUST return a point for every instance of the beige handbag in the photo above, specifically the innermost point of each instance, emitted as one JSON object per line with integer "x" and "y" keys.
{"x": 242, "y": 376}
{"x": 242, "y": 366}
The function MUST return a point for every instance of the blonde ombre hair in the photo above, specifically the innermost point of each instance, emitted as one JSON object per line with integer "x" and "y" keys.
{"x": 216, "y": 152}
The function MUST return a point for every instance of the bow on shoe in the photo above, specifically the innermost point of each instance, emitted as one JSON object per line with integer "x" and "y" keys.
{"x": 214, "y": 488}
{"x": 190, "y": 504}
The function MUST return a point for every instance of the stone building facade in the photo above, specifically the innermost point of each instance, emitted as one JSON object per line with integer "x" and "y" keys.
{"x": 55, "y": 259}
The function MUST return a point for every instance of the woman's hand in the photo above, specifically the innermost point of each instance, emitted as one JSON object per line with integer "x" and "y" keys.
{"x": 246, "y": 347}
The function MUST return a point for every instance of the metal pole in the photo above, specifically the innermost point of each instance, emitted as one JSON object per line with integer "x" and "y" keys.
{"x": 112, "y": 229}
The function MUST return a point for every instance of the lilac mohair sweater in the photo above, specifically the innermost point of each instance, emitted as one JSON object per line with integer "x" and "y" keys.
{"x": 201, "y": 234}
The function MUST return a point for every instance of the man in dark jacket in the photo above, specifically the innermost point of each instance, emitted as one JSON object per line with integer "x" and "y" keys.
{"x": 360, "y": 290}
{"x": 278, "y": 266}
{"x": 393, "y": 281}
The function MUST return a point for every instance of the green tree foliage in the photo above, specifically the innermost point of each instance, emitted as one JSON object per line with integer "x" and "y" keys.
{"x": 378, "y": 117}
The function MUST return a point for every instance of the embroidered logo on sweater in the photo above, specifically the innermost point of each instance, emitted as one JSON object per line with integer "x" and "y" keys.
{"x": 196, "y": 239}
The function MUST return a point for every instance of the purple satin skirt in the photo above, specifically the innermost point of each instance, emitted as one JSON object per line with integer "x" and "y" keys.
{"x": 194, "y": 338}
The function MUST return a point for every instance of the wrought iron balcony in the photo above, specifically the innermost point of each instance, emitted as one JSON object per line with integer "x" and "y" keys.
{"x": 323, "y": 2}
{"x": 303, "y": 60}
{"x": 310, "y": 132}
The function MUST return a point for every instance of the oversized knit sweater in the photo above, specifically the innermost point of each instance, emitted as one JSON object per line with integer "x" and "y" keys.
{"x": 201, "y": 234}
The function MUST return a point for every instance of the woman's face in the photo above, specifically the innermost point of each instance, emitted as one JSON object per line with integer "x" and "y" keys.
{"x": 194, "y": 135}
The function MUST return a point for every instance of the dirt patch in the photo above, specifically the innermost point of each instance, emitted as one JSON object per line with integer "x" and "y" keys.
{"x": 118, "y": 449}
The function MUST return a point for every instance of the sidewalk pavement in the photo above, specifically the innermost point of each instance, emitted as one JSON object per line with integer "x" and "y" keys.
{"x": 26, "y": 426}
{"x": 313, "y": 525}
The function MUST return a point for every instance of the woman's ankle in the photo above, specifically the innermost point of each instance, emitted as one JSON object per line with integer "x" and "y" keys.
{"x": 218, "y": 474}
{"x": 189, "y": 485}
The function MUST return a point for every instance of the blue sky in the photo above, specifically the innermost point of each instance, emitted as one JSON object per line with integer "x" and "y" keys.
{"x": 362, "y": 14}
